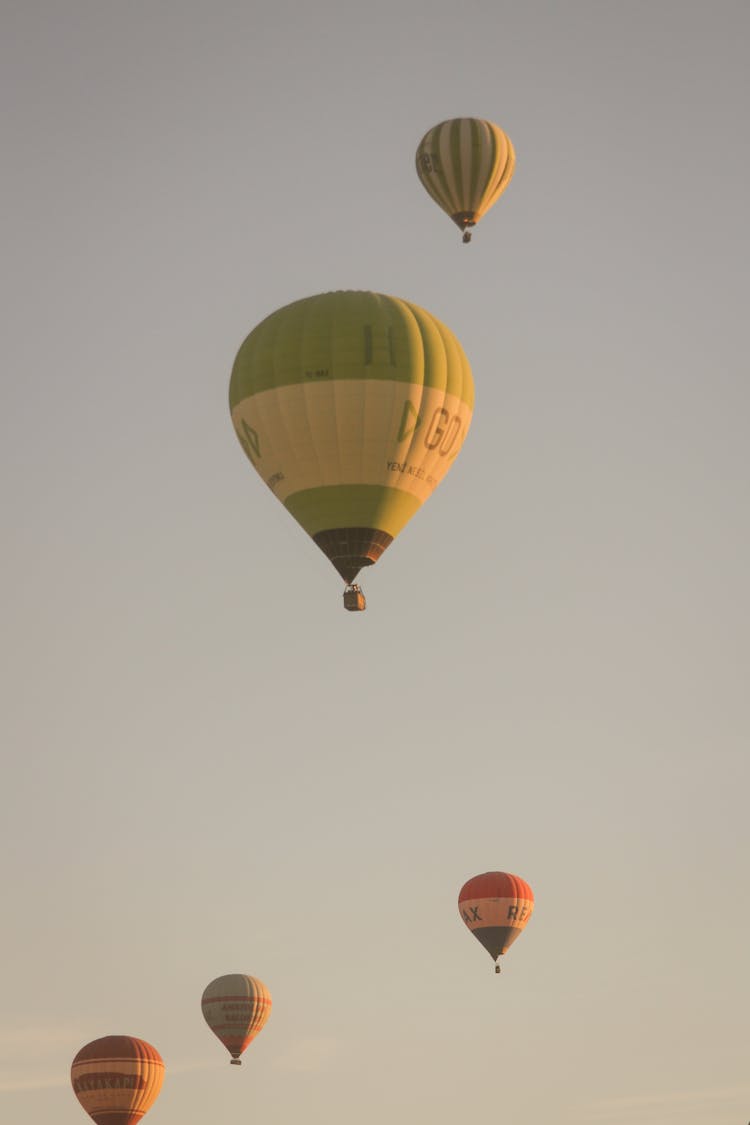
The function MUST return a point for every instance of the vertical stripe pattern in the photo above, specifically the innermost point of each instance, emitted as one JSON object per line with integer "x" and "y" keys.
{"x": 236, "y": 1007}
{"x": 465, "y": 164}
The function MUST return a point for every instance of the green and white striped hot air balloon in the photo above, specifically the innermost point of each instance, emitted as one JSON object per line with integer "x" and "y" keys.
{"x": 351, "y": 406}
{"x": 465, "y": 164}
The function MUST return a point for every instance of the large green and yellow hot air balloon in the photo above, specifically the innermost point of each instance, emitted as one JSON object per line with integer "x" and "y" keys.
{"x": 351, "y": 406}
{"x": 465, "y": 164}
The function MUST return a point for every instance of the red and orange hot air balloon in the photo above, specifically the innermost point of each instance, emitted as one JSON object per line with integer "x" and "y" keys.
{"x": 117, "y": 1079}
{"x": 496, "y": 908}
{"x": 236, "y": 1007}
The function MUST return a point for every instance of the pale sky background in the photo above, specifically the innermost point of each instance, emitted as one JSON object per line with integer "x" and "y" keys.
{"x": 210, "y": 767}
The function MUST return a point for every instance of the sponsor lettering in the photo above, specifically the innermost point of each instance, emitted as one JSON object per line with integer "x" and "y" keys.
{"x": 411, "y": 420}
{"x": 250, "y": 440}
{"x": 368, "y": 345}
{"x": 442, "y": 431}
{"x": 429, "y": 162}
{"x": 411, "y": 471}
{"x": 108, "y": 1080}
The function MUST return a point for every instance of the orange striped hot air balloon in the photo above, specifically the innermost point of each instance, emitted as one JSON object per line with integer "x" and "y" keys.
{"x": 236, "y": 1007}
{"x": 496, "y": 908}
{"x": 117, "y": 1079}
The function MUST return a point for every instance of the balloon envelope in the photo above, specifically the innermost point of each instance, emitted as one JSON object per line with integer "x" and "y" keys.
{"x": 117, "y": 1079}
{"x": 496, "y": 908}
{"x": 236, "y": 1007}
{"x": 465, "y": 164}
{"x": 352, "y": 407}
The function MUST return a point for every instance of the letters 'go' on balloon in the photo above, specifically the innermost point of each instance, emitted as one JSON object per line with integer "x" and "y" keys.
{"x": 117, "y": 1079}
{"x": 236, "y": 1007}
{"x": 352, "y": 407}
{"x": 496, "y": 908}
{"x": 465, "y": 164}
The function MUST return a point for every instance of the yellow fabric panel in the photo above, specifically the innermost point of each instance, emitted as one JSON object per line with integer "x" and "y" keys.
{"x": 395, "y": 435}
{"x": 353, "y": 505}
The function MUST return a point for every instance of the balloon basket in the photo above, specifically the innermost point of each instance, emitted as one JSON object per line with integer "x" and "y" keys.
{"x": 238, "y": 1062}
{"x": 354, "y": 599}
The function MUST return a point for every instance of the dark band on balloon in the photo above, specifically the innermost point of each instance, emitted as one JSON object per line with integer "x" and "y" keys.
{"x": 351, "y": 548}
{"x": 496, "y": 939}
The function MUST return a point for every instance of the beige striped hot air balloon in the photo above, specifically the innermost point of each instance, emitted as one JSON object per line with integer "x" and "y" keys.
{"x": 117, "y": 1079}
{"x": 465, "y": 164}
{"x": 352, "y": 407}
{"x": 236, "y": 1007}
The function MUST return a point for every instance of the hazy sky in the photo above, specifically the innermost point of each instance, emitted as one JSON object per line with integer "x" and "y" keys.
{"x": 210, "y": 766}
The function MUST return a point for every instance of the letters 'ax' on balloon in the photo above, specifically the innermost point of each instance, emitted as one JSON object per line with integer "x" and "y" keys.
{"x": 117, "y": 1079}
{"x": 352, "y": 407}
{"x": 465, "y": 164}
{"x": 496, "y": 908}
{"x": 236, "y": 1007}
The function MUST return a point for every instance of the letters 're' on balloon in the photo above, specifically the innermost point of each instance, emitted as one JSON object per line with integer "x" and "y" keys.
{"x": 496, "y": 908}
{"x": 465, "y": 164}
{"x": 117, "y": 1079}
{"x": 352, "y": 407}
{"x": 236, "y": 1007}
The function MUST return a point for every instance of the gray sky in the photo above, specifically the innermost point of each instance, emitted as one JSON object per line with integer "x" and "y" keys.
{"x": 210, "y": 766}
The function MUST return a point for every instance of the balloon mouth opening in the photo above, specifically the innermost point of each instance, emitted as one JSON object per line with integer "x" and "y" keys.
{"x": 350, "y": 568}
{"x": 464, "y": 219}
{"x": 350, "y": 549}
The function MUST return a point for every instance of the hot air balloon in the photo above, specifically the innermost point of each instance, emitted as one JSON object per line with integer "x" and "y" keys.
{"x": 351, "y": 406}
{"x": 117, "y": 1079}
{"x": 496, "y": 908}
{"x": 465, "y": 164}
{"x": 236, "y": 1007}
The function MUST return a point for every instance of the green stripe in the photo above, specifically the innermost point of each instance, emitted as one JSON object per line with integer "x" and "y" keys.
{"x": 436, "y": 180}
{"x": 352, "y": 505}
{"x": 445, "y": 194}
{"x": 483, "y": 136}
{"x": 350, "y": 335}
{"x": 456, "y": 163}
